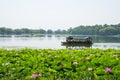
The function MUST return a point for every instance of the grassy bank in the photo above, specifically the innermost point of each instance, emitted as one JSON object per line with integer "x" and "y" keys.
{"x": 63, "y": 64}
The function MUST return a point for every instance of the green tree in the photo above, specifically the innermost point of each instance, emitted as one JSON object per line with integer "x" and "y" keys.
{"x": 58, "y": 31}
{"x": 9, "y": 31}
{"x": 49, "y": 31}
{"x": 6, "y": 31}
{"x": 109, "y": 30}
{"x": 18, "y": 31}
{"x": 42, "y": 31}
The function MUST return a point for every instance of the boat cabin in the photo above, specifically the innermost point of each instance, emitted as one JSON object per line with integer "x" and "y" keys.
{"x": 78, "y": 39}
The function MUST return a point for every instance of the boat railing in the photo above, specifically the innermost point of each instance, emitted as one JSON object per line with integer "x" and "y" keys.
{"x": 77, "y": 39}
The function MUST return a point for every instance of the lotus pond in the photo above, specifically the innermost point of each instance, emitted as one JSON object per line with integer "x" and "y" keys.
{"x": 60, "y": 64}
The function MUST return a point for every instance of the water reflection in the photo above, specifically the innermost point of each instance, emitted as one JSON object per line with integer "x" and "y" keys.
{"x": 106, "y": 45}
{"x": 54, "y": 42}
{"x": 49, "y": 35}
{"x": 77, "y": 45}
{"x": 5, "y": 39}
{"x": 106, "y": 39}
{"x": 5, "y": 35}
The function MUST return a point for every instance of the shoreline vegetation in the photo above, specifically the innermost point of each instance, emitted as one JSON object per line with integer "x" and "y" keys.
{"x": 107, "y": 30}
{"x": 60, "y": 64}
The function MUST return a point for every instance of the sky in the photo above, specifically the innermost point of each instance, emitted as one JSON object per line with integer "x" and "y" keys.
{"x": 57, "y": 14}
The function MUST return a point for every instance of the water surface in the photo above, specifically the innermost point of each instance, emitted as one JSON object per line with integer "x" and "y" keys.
{"x": 54, "y": 42}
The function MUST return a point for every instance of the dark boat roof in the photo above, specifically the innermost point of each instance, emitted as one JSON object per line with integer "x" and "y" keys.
{"x": 78, "y": 37}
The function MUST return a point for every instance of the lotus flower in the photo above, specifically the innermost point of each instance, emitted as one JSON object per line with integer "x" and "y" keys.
{"x": 36, "y": 75}
{"x": 62, "y": 65}
{"x": 75, "y": 63}
{"x": 39, "y": 74}
{"x": 107, "y": 69}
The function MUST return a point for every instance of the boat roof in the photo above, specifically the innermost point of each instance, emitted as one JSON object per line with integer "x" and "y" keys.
{"x": 80, "y": 37}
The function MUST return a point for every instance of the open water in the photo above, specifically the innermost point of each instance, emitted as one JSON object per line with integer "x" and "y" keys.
{"x": 54, "y": 42}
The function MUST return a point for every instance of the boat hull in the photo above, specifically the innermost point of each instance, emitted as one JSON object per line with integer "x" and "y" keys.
{"x": 86, "y": 42}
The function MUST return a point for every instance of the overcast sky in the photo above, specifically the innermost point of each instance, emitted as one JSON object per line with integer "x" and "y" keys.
{"x": 58, "y": 14}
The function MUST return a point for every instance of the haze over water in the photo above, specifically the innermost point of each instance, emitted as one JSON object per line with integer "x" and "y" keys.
{"x": 54, "y": 42}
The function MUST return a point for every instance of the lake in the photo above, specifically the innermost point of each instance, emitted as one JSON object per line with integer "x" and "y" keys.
{"x": 54, "y": 42}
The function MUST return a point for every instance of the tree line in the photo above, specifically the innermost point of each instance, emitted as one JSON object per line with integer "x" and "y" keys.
{"x": 79, "y": 30}
{"x": 96, "y": 30}
{"x": 9, "y": 31}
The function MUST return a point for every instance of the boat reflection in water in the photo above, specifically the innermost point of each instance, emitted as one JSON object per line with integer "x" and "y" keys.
{"x": 77, "y": 42}
{"x": 77, "y": 45}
